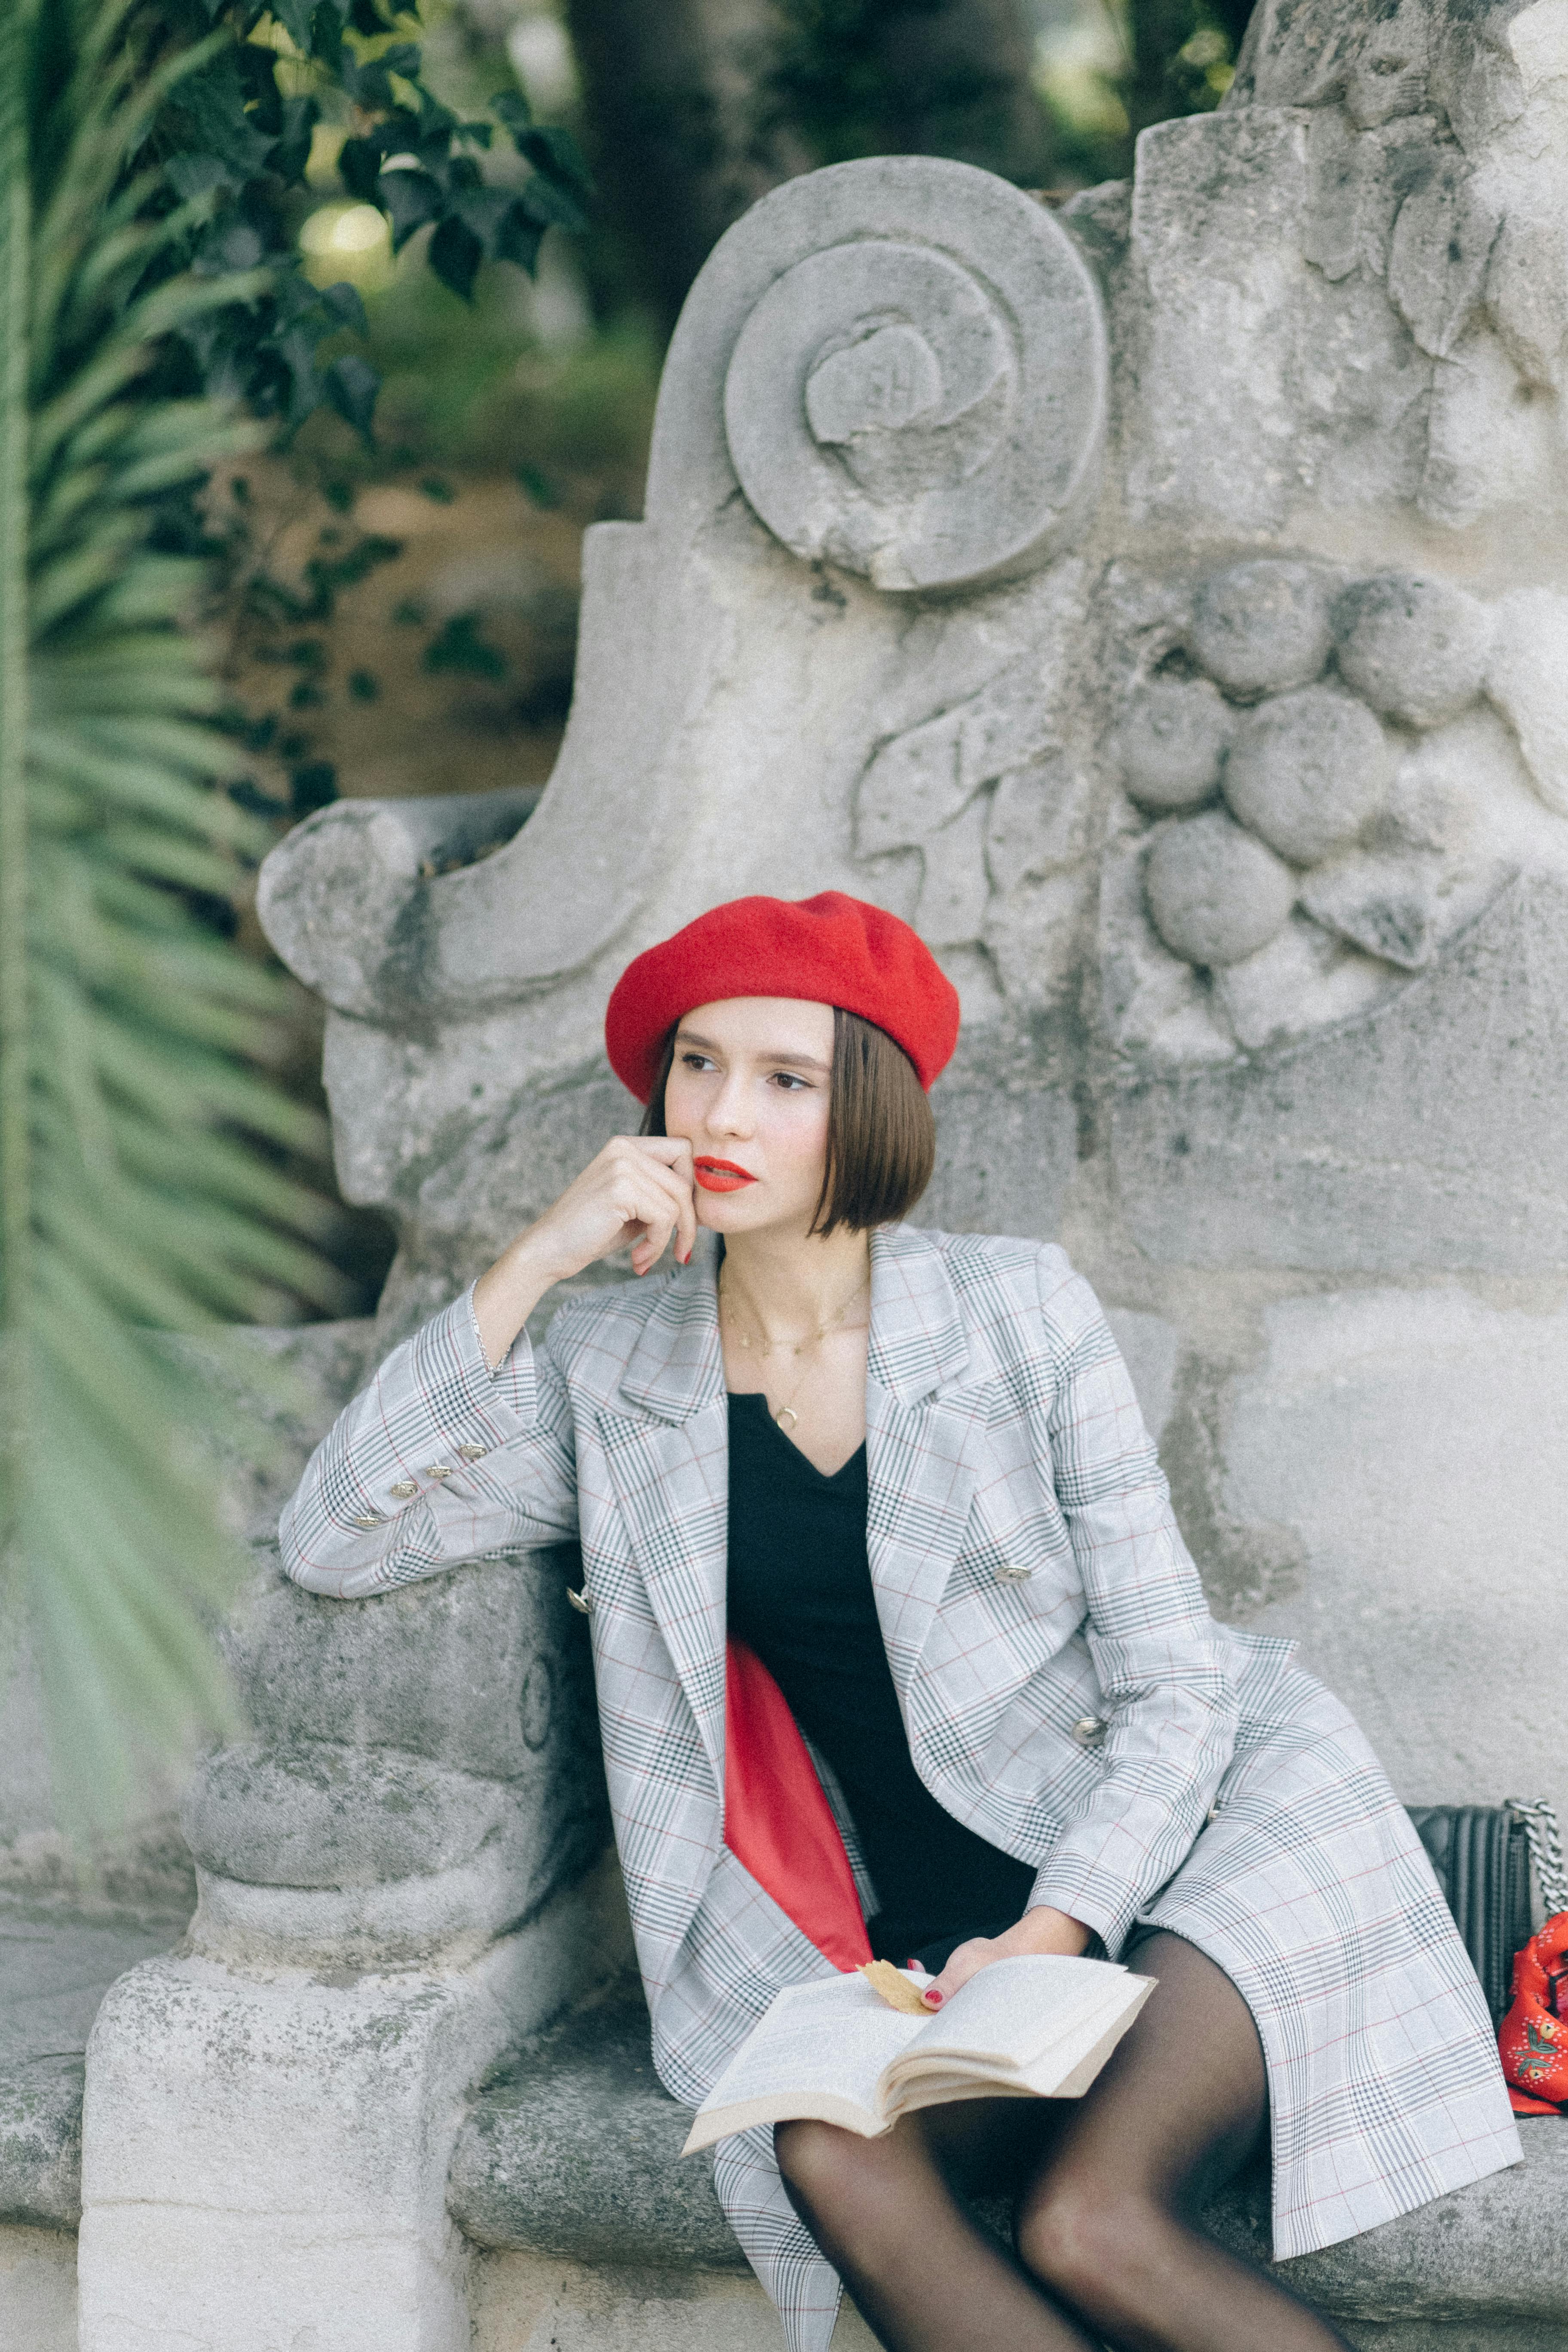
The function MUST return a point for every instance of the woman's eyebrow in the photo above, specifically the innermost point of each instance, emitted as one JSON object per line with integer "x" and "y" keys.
{"x": 795, "y": 1061}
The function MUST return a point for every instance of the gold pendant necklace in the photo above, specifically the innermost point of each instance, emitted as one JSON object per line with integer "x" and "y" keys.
{"x": 787, "y": 1416}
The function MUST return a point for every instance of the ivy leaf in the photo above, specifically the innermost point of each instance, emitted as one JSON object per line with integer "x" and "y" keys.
{"x": 553, "y": 151}
{"x": 519, "y": 238}
{"x": 344, "y": 307}
{"x": 456, "y": 253}
{"x": 213, "y": 102}
{"x": 409, "y": 199}
{"x": 550, "y": 205}
{"x": 295, "y": 16}
{"x": 359, "y": 163}
{"x": 292, "y": 153}
{"x": 510, "y": 107}
{"x": 350, "y": 385}
{"x": 482, "y": 212}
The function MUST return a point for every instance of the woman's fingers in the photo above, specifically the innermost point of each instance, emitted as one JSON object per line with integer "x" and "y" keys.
{"x": 661, "y": 1204}
{"x": 963, "y": 1962}
{"x": 673, "y": 1153}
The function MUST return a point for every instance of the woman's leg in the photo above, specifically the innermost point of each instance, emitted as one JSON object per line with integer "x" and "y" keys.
{"x": 1107, "y": 2220}
{"x": 923, "y": 2277}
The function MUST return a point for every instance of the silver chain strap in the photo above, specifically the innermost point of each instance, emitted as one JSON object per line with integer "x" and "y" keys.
{"x": 1545, "y": 1842}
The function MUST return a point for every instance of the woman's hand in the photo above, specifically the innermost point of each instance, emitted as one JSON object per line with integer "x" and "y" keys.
{"x": 1039, "y": 1930}
{"x": 637, "y": 1194}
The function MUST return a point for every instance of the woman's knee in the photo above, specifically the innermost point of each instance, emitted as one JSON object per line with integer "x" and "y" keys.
{"x": 1088, "y": 2238}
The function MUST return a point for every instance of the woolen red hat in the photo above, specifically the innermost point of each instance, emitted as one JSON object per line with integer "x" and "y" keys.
{"x": 830, "y": 950}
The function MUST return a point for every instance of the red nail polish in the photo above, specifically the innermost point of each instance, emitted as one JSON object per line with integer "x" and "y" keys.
{"x": 932, "y": 1999}
{"x": 912, "y": 1962}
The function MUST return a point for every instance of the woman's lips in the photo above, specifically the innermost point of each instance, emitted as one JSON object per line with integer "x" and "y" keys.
{"x": 721, "y": 1175}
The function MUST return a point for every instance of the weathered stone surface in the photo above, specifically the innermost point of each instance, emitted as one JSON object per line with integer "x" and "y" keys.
{"x": 1380, "y": 902}
{"x": 58, "y": 1959}
{"x": 1415, "y": 648}
{"x": 348, "y": 912}
{"x": 1172, "y": 740}
{"x": 38, "y": 2290}
{"x": 1431, "y": 1137}
{"x": 297, "y": 2128}
{"x": 428, "y": 1770}
{"x": 451, "y": 1668}
{"x": 922, "y": 399}
{"x": 532, "y": 2303}
{"x": 1215, "y": 893}
{"x": 1529, "y": 664}
{"x": 1404, "y": 1437}
{"x": 1263, "y": 627}
{"x": 40, "y": 2142}
{"x": 1301, "y": 981}
{"x": 1154, "y": 1002}
{"x": 1307, "y": 771}
{"x": 575, "y": 2151}
{"x": 319, "y": 1815}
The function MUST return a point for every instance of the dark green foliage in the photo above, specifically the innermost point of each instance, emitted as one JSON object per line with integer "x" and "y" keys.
{"x": 461, "y": 647}
{"x": 918, "y": 77}
{"x": 234, "y": 141}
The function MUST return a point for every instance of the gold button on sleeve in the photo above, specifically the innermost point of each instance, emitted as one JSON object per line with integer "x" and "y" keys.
{"x": 405, "y": 1487}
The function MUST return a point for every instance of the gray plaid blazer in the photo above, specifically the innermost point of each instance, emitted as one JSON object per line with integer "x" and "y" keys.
{"x": 1029, "y": 1575}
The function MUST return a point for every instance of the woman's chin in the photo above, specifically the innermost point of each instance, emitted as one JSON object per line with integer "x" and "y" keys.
{"x": 733, "y": 1213}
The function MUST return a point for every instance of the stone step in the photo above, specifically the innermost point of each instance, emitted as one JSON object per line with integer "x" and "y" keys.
{"x": 573, "y": 2153}
{"x": 58, "y": 1959}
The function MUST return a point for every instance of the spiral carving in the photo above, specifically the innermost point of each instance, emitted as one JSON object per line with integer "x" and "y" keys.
{"x": 925, "y": 408}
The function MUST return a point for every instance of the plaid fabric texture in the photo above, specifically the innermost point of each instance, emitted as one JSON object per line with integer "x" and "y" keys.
{"x": 1028, "y": 1572}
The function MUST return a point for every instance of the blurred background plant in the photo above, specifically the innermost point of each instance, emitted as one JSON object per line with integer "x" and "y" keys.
{"x": 321, "y": 353}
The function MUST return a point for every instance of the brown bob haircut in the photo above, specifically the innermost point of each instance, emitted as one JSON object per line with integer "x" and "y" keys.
{"x": 881, "y": 1136}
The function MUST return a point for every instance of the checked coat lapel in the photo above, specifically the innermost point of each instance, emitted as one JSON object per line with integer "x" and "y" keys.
{"x": 669, "y": 1459}
{"x": 923, "y": 1442}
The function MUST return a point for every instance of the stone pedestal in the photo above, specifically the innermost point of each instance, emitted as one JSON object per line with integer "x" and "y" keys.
{"x": 401, "y": 1877}
{"x": 264, "y": 2161}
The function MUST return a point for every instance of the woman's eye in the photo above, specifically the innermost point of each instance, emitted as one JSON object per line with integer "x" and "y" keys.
{"x": 697, "y": 1060}
{"x": 789, "y": 1083}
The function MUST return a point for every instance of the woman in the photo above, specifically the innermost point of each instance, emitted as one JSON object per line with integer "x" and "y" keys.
{"x": 908, "y": 1469}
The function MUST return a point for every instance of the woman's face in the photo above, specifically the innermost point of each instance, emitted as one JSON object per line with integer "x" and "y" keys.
{"x": 748, "y": 1089}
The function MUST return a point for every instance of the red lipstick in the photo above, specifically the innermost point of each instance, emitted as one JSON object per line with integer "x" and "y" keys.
{"x": 721, "y": 1175}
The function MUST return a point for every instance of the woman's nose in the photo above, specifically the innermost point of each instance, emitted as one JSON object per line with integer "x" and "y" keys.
{"x": 729, "y": 1114}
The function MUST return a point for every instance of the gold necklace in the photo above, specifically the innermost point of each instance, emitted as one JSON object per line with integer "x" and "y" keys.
{"x": 797, "y": 1348}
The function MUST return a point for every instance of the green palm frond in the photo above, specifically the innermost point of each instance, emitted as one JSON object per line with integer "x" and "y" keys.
{"x": 144, "y": 1187}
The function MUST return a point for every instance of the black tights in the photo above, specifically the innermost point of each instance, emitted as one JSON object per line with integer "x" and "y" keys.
{"x": 1106, "y": 2189}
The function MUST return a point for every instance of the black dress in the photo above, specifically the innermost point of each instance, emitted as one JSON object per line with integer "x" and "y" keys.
{"x": 800, "y": 1596}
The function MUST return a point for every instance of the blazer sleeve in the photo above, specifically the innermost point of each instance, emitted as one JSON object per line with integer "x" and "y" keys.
{"x": 1170, "y": 1701}
{"x": 438, "y": 1461}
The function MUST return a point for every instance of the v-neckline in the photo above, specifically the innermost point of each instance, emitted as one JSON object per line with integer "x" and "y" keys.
{"x": 828, "y": 1478}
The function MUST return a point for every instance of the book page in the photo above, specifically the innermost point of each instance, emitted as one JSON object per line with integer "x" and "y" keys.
{"x": 1011, "y": 2012}
{"x": 1065, "y": 2071}
{"x": 819, "y": 2050}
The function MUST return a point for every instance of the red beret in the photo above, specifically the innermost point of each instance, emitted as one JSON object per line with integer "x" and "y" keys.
{"x": 830, "y": 950}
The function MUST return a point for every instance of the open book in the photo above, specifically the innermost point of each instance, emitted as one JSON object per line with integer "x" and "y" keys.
{"x": 1030, "y": 2028}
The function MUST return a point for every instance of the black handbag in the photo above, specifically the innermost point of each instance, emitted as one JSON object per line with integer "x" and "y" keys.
{"x": 1482, "y": 1854}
